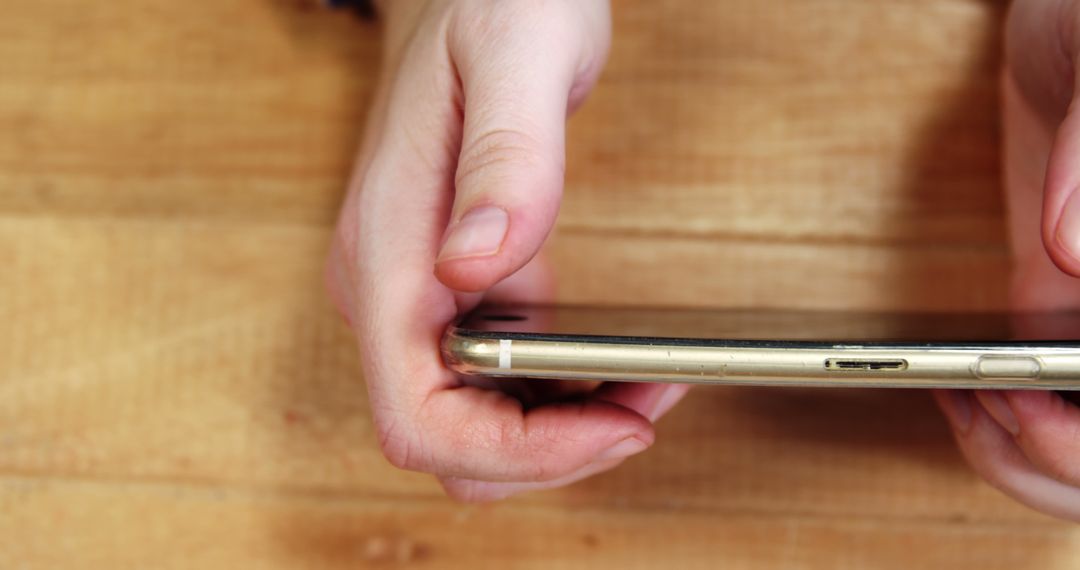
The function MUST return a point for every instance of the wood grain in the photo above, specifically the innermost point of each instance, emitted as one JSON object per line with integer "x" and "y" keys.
{"x": 91, "y": 524}
{"x": 175, "y": 390}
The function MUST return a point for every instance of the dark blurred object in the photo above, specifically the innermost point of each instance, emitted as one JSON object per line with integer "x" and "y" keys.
{"x": 1070, "y": 396}
{"x": 365, "y": 8}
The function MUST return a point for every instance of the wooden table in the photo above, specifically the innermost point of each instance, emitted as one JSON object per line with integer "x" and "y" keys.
{"x": 176, "y": 392}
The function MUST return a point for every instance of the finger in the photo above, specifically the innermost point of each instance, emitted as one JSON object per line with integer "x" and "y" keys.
{"x": 500, "y": 442}
{"x": 1038, "y": 284}
{"x": 533, "y": 458}
{"x": 390, "y": 227}
{"x": 1043, "y": 425}
{"x": 516, "y": 81}
{"x": 651, "y": 400}
{"x": 1061, "y": 204}
{"x": 995, "y": 456}
{"x": 480, "y": 434}
{"x": 473, "y": 491}
{"x": 1041, "y": 54}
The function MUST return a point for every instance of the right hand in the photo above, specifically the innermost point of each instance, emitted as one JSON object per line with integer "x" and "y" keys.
{"x": 457, "y": 185}
{"x": 1027, "y": 442}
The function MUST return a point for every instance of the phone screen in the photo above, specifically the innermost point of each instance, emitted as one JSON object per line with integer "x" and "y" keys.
{"x": 776, "y": 325}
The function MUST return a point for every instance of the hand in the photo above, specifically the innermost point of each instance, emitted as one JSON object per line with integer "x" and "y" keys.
{"x": 1027, "y": 443}
{"x": 457, "y": 185}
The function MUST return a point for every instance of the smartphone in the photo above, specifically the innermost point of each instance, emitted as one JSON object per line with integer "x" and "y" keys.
{"x": 769, "y": 347}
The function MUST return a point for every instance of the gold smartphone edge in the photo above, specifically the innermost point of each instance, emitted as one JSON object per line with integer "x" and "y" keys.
{"x": 843, "y": 365}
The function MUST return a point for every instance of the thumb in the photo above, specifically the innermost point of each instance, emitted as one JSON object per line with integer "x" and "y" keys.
{"x": 509, "y": 179}
{"x": 1044, "y": 67}
{"x": 1061, "y": 201}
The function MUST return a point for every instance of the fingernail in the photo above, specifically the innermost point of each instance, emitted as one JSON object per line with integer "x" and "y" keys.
{"x": 625, "y": 448}
{"x": 1068, "y": 227}
{"x": 479, "y": 232}
{"x": 957, "y": 406}
{"x": 998, "y": 408}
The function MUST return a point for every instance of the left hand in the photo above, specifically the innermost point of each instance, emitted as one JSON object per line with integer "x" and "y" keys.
{"x": 1027, "y": 443}
{"x": 457, "y": 185}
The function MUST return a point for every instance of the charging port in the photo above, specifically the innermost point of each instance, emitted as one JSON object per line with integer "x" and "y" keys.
{"x": 860, "y": 364}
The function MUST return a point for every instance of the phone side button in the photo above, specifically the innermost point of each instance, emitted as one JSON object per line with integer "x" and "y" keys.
{"x": 1016, "y": 367}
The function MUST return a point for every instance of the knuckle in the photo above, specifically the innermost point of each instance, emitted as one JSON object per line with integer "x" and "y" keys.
{"x": 496, "y": 153}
